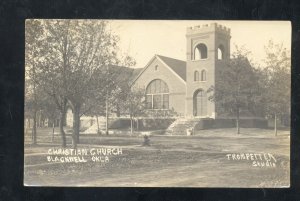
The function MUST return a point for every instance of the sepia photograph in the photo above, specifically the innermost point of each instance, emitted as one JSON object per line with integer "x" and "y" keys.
{"x": 157, "y": 103}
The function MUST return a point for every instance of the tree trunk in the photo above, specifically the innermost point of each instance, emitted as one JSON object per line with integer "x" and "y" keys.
{"x": 76, "y": 125}
{"x": 118, "y": 111}
{"x": 53, "y": 126}
{"x": 98, "y": 128}
{"x": 61, "y": 128}
{"x": 137, "y": 124}
{"x": 275, "y": 125}
{"x": 26, "y": 128}
{"x": 106, "y": 114}
{"x": 40, "y": 118}
{"x": 238, "y": 121}
{"x": 34, "y": 140}
{"x": 131, "y": 125}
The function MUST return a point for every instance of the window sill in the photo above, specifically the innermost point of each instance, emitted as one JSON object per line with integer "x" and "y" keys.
{"x": 202, "y": 117}
{"x": 193, "y": 60}
{"x": 158, "y": 109}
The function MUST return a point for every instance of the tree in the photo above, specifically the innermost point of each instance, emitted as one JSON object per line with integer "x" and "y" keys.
{"x": 277, "y": 82}
{"x": 119, "y": 85}
{"x": 50, "y": 112}
{"x": 134, "y": 105}
{"x": 33, "y": 35}
{"x": 237, "y": 86}
{"x": 115, "y": 90}
{"x": 76, "y": 53}
{"x": 95, "y": 48}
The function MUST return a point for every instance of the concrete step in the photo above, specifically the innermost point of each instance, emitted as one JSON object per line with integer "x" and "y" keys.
{"x": 180, "y": 126}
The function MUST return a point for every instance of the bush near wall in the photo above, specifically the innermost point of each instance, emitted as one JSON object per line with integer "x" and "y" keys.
{"x": 164, "y": 123}
{"x": 230, "y": 123}
{"x": 143, "y": 124}
{"x": 204, "y": 124}
{"x": 119, "y": 123}
{"x": 254, "y": 123}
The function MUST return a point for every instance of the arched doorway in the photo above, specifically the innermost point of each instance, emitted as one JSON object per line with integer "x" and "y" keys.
{"x": 200, "y": 103}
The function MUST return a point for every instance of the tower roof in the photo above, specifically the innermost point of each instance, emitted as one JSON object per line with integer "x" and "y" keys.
{"x": 208, "y": 28}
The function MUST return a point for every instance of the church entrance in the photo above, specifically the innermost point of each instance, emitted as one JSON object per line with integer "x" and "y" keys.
{"x": 200, "y": 103}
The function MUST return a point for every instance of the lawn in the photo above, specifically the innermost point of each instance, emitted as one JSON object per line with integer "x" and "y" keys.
{"x": 200, "y": 160}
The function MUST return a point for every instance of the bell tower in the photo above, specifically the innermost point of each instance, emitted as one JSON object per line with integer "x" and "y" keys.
{"x": 208, "y": 47}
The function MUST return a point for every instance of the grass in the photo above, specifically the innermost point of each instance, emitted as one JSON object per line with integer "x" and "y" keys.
{"x": 170, "y": 161}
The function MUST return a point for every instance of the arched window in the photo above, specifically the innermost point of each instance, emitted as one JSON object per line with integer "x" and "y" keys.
{"x": 203, "y": 75}
{"x": 157, "y": 95}
{"x": 200, "y": 52}
{"x": 220, "y": 52}
{"x": 196, "y": 76}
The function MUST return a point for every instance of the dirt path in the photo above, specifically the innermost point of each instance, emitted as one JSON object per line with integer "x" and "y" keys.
{"x": 196, "y": 161}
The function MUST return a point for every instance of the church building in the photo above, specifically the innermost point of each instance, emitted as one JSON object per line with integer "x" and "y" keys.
{"x": 172, "y": 84}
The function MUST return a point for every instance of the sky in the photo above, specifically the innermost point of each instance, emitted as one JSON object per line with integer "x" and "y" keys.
{"x": 142, "y": 39}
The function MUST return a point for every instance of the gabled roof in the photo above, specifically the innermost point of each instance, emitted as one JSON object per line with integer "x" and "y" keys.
{"x": 135, "y": 73}
{"x": 123, "y": 73}
{"x": 178, "y": 66}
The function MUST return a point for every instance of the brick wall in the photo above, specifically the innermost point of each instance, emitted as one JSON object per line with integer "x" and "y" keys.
{"x": 176, "y": 85}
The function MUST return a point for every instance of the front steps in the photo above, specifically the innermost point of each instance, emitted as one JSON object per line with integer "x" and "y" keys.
{"x": 94, "y": 128}
{"x": 180, "y": 126}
